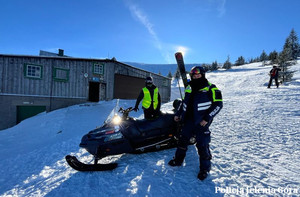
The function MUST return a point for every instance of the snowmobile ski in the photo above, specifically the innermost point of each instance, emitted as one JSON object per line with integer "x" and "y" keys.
{"x": 180, "y": 63}
{"x": 79, "y": 166}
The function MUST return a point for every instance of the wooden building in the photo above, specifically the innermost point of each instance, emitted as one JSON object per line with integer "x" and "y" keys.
{"x": 33, "y": 84}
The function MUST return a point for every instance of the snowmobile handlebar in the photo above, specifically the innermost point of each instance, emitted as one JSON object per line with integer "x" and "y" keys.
{"x": 125, "y": 112}
{"x": 121, "y": 110}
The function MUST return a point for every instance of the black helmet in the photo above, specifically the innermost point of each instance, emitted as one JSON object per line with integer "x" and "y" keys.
{"x": 149, "y": 80}
{"x": 197, "y": 70}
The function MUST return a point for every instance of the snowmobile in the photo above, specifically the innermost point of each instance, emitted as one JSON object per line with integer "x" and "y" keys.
{"x": 121, "y": 133}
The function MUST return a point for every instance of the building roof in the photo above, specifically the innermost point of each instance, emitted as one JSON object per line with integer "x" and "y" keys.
{"x": 113, "y": 60}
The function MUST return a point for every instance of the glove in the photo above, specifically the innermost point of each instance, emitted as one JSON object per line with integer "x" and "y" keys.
{"x": 136, "y": 109}
{"x": 177, "y": 118}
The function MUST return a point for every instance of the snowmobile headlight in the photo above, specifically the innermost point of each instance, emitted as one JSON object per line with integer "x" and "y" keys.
{"x": 117, "y": 120}
{"x": 113, "y": 137}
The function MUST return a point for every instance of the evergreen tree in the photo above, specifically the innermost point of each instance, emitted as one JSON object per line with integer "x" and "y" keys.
{"x": 214, "y": 65}
{"x": 206, "y": 66}
{"x": 177, "y": 74}
{"x": 286, "y": 53}
{"x": 286, "y": 58}
{"x": 285, "y": 63}
{"x": 240, "y": 61}
{"x": 257, "y": 59}
{"x": 263, "y": 57}
{"x": 273, "y": 57}
{"x": 170, "y": 74}
{"x": 293, "y": 43}
{"x": 251, "y": 60}
{"x": 227, "y": 65}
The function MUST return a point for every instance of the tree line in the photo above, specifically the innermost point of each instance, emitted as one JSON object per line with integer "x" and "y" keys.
{"x": 284, "y": 59}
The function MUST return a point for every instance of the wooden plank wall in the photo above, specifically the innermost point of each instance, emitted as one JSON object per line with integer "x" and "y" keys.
{"x": 14, "y": 81}
{"x": 163, "y": 83}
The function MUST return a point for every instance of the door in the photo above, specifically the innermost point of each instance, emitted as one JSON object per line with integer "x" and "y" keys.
{"x": 94, "y": 91}
{"x": 24, "y": 112}
{"x": 127, "y": 87}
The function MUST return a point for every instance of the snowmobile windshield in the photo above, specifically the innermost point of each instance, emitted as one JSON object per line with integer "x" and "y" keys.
{"x": 115, "y": 115}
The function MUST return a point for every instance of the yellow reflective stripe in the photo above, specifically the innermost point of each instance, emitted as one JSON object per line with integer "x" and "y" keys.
{"x": 188, "y": 89}
{"x": 206, "y": 89}
{"x": 155, "y": 98}
{"x": 213, "y": 92}
{"x": 214, "y": 95}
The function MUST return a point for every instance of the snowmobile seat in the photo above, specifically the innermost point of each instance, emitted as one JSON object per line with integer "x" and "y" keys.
{"x": 163, "y": 121}
{"x": 145, "y": 128}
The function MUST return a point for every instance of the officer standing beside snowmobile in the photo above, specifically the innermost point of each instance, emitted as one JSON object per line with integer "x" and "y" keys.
{"x": 202, "y": 102}
{"x": 274, "y": 72}
{"x": 151, "y": 100}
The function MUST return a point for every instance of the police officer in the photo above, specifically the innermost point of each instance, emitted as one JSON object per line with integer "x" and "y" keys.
{"x": 202, "y": 102}
{"x": 151, "y": 100}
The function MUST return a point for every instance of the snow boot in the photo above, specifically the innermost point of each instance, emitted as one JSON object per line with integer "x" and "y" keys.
{"x": 202, "y": 175}
{"x": 176, "y": 161}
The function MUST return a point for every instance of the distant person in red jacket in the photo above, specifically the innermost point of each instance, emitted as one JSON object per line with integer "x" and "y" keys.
{"x": 274, "y": 75}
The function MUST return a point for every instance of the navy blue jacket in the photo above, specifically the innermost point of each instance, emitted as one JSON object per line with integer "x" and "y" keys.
{"x": 204, "y": 104}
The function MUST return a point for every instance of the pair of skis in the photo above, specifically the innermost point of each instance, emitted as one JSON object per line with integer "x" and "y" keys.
{"x": 79, "y": 166}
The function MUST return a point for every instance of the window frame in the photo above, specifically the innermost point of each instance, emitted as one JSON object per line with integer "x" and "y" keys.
{"x": 26, "y": 73}
{"x": 55, "y": 78}
{"x": 101, "y": 71}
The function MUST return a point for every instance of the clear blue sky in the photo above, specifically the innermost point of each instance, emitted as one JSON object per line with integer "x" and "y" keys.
{"x": 148, "y": 31}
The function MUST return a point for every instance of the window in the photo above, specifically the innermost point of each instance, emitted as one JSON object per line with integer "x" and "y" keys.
{"x": 61, "y": 74}
{"x": 33, "y": 71}
{"x": 98, "y": 69}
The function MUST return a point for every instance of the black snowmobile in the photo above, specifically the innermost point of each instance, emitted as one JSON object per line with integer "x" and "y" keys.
{"x": 123, "y": 134}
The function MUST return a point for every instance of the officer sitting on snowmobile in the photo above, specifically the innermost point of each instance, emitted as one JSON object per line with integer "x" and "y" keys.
{"x": 151, "y": 100}
{"x": 202, "y": 102}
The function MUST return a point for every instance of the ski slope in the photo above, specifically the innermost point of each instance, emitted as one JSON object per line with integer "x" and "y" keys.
{"x": 255, "y": 146}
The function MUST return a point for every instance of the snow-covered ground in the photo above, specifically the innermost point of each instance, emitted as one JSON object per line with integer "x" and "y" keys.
{"x": 255, "y": 146}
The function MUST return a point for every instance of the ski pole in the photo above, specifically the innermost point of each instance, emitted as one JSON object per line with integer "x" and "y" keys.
{"x": 179, "y": 89}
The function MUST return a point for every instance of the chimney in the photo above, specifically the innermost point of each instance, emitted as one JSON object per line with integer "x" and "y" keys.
{"x": 60, "y": 52}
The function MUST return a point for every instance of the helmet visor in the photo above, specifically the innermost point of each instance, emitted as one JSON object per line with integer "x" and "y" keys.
{"x": 195, "y": 71}
{"x": 149, "y": 81}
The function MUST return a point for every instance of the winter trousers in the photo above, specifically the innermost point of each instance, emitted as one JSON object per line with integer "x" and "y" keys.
{"x": 151, "y": 113}
{"x": 202, "y": 143}
{"x": 276, "y": 81}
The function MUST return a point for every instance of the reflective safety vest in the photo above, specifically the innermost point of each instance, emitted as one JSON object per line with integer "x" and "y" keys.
{"x": 147, "y": 98}
{"x": 206, "y": 89}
